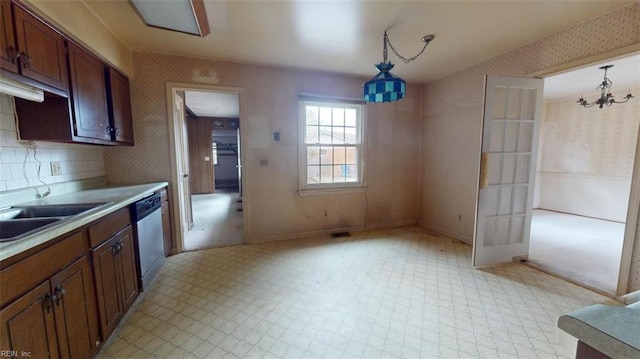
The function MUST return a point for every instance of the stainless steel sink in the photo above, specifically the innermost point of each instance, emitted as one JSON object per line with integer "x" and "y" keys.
{"x": 57, "y": 210}
{"x": 20, "y": 221}
{"x": 13, "y": 229}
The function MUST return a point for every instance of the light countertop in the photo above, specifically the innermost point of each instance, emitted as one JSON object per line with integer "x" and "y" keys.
{"x": 112, "y": 197}
{"x": 613, "y": 331}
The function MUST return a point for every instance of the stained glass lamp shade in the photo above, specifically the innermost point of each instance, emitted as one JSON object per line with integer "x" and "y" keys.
{"x": 385, "y": 86}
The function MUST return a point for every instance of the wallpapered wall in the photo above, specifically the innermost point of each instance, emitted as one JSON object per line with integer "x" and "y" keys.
{"x": 452, "y": 118}
{"x": 269, "y": 103}
{"x": 19, "y": 169}
{"x": 586, "y": 157}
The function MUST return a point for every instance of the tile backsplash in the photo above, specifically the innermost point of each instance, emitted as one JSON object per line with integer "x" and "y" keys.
{"x": 19, "y": 168}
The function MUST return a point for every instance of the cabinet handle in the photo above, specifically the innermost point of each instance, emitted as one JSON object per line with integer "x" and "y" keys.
{"x": 59, "y": 294}
{"x": 13, "y": 54}
{"x": 26, "y": 60}
{"x": 117, "y": 131}
{"x": 49, "y": 299}
{"x": 108, "y": 130}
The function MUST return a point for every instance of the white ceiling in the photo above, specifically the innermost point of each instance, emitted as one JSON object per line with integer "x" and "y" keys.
{"x": 346, "y": 36}
{"x": 625, "y": 75}
{"x": 213, "y": 104}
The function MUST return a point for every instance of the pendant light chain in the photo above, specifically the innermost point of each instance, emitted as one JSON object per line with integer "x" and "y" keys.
{"x": 404, "y": 59}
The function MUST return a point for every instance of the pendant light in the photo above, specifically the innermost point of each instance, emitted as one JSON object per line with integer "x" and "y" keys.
{"x": 385, "y": 86}
{"x": 606, "y": 98}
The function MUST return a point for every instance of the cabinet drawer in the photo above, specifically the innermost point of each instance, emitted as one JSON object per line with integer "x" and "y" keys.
{"x": 108, "y": 227}
{"x": 18, "y": 278}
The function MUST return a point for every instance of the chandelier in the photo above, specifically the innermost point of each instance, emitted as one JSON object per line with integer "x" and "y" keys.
{"x": 606, "y": 98}
{"x": 385, "y": 86}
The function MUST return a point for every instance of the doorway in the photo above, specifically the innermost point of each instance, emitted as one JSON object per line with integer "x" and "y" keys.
{"x": 217, "y": 212}
{"x": 494, "y": 241}
{"x": 583, "y": 177}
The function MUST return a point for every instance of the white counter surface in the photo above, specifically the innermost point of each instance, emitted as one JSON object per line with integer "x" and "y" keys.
{"x": 113, "y": 197}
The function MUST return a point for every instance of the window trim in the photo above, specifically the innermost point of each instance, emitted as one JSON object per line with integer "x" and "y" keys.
{"x": 317, "y": 188}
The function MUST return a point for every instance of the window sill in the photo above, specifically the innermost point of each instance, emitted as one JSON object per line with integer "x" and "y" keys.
{"x": 321, "y": 191}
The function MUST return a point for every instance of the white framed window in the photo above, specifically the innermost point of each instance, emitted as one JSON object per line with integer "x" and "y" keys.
{"x": 331, "y": 154}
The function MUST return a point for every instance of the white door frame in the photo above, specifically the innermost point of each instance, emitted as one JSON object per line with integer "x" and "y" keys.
{"x": 634, "y": 197}
{"x": 171, "y": 90}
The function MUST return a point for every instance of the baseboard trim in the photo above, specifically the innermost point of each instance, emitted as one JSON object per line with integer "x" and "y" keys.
{"x": 325, "y": 232}
{"x": 447, "y": 233}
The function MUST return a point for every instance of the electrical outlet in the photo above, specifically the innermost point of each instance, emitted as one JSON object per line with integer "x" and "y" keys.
{"x": 56, "y": 168}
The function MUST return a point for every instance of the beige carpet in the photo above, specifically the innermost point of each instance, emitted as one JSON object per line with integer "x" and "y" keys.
{"x": 582, "y": 249}
{"x": 216, "y": 221}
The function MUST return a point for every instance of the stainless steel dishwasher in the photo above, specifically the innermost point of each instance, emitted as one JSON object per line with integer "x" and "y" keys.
{"x": 147, "y": 217}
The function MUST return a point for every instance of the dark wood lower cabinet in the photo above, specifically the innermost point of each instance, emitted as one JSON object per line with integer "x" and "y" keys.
{"x": 116, "y": 278}
{"x": 584, "y": 351}
{"x": 75, "y": 310}
{"x": 56, "y": 319}
{"x": 29, "y": 326}
{"x": 166, "y": 228}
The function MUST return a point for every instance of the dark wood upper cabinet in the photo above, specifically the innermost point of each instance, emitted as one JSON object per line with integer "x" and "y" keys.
{"x": 120, "y": 107}
{"x": 8, "y": 49}
{"x": 89, "y": 95}
{"x": 41, "y": 50}
{"x": 86, "y": 100}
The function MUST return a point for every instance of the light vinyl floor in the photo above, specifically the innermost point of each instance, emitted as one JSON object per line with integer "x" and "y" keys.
{"x": 397, "y": 293}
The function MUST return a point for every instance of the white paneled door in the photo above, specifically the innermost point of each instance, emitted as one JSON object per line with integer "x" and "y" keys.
{"x": 512, "y": 113}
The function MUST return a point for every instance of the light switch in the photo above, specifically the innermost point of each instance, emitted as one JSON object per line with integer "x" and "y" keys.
{"x": 207, "y": 158}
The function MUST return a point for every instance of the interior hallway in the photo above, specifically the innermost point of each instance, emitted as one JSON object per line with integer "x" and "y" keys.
{"x": 585, "y": 250}
{"x": 217, "y": 221}
{"x": 403, "y": 292}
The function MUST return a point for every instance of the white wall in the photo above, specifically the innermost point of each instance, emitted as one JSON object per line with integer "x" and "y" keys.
{"x": 586, "y": 158}
{"x": 77, "y": 161}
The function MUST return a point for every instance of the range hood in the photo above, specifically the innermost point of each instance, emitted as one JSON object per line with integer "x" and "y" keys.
{"x": 18, "y": 89}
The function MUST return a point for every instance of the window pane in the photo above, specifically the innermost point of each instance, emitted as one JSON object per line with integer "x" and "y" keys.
{"x": 313, "y": 155}
{"x": 351, "y": 173}
{"x": 339, "y": 154}
{"x": 312, "y": 115}
{"x": 332, "y": 140}
{"x": 325, "y": 116}
{"x": 352, "y": 156}
{"x": 338, "y": 116}
{"x": 350, "y": 117}
{"x": 325, "y": 134}
{"x": 312, "y": 134}
{"x": 313, "y": 174}
{"x": 326, "y": 174}
{"x": 340, "y": 173}
{"x": 350, "y": 135}
{"x": 338, "y": 135}
{"x": 326, "y": 155}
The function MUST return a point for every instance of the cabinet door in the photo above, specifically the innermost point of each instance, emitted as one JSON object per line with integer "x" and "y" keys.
{"x": 89, "y": 95}
{"x": 120, "y": 105}
{"x": 28, "y": 325}
{"x": 75, "y": 310}
{"x": 166, "y": 228}
{"x": 129, "y": 273}
{"x": 8, "y": 51}
{"x": 42, "y": 51}
{"x": 106, "y": 272}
